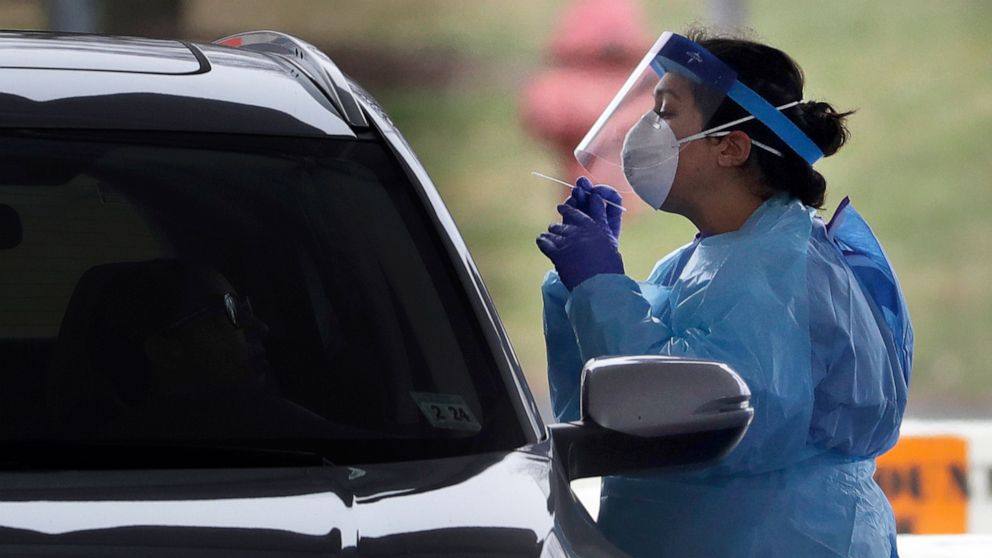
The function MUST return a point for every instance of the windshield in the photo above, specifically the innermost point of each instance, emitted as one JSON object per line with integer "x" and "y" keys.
{"x": 237, "y": 292}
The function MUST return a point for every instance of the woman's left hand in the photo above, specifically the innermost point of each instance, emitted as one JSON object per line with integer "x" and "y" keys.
{"x": 582, "y": 246}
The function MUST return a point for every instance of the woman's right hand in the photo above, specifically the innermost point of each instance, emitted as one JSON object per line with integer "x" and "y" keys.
{"x": 584, "y": 195}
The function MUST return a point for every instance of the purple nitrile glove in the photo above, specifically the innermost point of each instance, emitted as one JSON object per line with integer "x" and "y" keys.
{"x": 581, "y": 246}
{"x": 582, "y": 199}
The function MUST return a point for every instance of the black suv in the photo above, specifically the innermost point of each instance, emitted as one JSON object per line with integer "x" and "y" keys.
{"x": 236, "y": 319}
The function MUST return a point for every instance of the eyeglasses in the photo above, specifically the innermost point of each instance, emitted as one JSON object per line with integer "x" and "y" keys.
{"x": 238, "y": 312}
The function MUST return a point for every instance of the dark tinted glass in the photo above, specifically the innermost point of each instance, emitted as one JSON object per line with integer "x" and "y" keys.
{"x": 268, "y": 294}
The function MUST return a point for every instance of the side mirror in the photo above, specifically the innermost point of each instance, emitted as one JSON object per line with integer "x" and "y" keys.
{"x": 650, "y": 412}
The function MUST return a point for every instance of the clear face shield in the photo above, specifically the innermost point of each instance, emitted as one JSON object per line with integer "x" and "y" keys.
{"x": 664, "y": 104}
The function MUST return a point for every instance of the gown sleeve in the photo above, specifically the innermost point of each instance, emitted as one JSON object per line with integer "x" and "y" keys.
{"x": 741, "y": 300}
{"x": 564, "y": 359}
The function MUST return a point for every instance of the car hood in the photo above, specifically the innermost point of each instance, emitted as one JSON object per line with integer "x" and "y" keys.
{"x": 487, "y": 504}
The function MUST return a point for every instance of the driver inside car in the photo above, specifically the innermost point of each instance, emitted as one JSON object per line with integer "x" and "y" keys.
{"x": 179, "y": 354}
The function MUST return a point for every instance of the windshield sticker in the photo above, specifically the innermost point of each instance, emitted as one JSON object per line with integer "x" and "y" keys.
{"x": 447, "y": 411}
{"x": 355, "y": 473}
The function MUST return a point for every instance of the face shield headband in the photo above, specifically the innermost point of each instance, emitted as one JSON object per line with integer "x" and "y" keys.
{"x": 712, "y": 80}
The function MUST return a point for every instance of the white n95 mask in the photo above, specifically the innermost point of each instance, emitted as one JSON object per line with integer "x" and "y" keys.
{"x": 650, "y": 157}
{"x": 650, "y": 154}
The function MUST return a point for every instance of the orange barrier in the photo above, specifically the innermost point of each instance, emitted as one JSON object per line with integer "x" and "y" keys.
{"x": 926, "y": 480}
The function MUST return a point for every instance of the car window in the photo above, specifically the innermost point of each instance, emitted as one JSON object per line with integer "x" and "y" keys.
{"x": 244, "y": 292}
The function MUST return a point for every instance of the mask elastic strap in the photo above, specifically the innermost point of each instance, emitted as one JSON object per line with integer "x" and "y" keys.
{"x": 711, "y": 131}
{"x": 756, "y": 143}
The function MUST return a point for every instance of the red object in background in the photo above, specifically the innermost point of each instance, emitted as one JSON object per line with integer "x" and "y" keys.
{"x": 593, "y": 50}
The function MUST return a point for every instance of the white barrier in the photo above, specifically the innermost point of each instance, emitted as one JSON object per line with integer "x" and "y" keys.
{"x": 587, "y": 491}
{"x": 944, "y": 546}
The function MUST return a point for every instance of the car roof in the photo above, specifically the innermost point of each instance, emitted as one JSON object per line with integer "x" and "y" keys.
{"x": 80, "y": 81}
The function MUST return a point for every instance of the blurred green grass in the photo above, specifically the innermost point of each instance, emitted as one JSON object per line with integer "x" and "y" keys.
{"x": 919, "y": 72}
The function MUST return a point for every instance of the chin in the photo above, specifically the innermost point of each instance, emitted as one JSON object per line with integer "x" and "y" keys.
{"x": 672, "y": 206}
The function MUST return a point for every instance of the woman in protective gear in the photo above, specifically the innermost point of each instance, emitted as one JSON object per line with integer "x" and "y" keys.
{"x": 809, "y": 313}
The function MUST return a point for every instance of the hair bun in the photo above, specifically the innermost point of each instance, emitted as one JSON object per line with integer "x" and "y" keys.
{"x": 824, "y": 125}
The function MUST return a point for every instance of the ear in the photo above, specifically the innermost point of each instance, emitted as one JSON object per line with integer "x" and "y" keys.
{"x": 734, "y": 149}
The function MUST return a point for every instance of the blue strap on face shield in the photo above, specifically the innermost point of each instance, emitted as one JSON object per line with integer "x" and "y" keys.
{"x": 687, "y": 58}
{"x": 776, "y": 122}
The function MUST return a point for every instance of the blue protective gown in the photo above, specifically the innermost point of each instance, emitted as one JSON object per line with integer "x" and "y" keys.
{"x": 812, "y": 317}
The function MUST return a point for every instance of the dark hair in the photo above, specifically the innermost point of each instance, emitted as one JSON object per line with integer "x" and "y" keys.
{"x": 776, "y": 77}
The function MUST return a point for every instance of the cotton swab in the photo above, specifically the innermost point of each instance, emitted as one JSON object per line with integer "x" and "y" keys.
{"x": 572, "y": 186}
